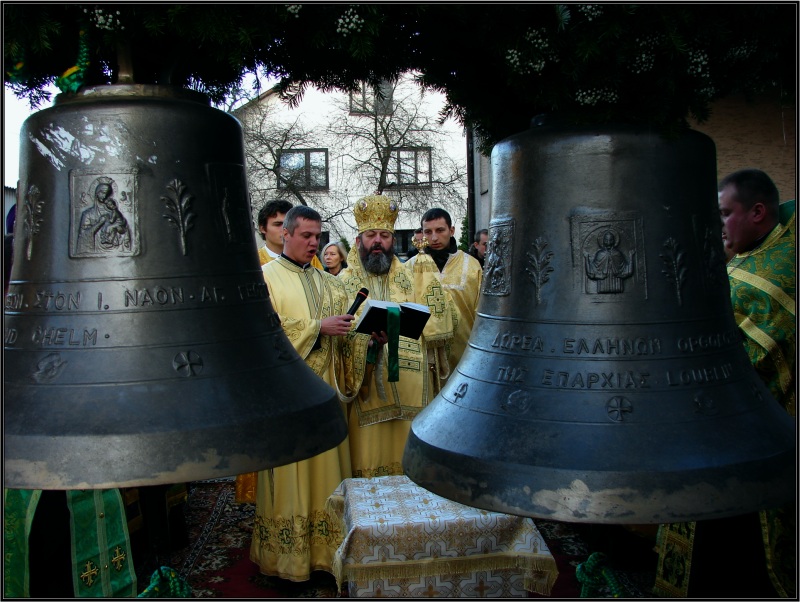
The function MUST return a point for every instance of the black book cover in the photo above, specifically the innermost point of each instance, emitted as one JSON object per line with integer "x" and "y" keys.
{"x": 413, "y": 318}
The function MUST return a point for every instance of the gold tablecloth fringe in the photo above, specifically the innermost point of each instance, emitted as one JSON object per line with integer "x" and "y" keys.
{"x": 533, "y": 567}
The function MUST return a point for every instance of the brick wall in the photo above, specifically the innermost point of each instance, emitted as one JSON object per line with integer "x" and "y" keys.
{"x": 758, "y": 134}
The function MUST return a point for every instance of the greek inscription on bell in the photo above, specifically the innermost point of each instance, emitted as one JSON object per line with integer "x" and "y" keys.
{"x": 58, "y": 300}
{"x": 253, "y": 290}
{"x": 497, "y": 267}
{"x": 60, "y": 337}
{"x": 523, "y": 342}
{"x": 103, "y": 220}
{"x": 704, "y": 341}
{"x": 699, "y": 376}
{"x": 613, "y": 346}
{"x": 511, "y": 374}
{"x": 157, "y": 295}
{"x": 629, "y": 379}
{"x": 14, "y": 301}
{"x": 608, "y": 253}
{"x": 211, "y": 293}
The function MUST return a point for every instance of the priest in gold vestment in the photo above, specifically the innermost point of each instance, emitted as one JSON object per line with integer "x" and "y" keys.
{"x": 460, "y": 274}
{"x": 394, "y": 379}
{"x": 270, "y": 229}
{"x": 293, "y": 533}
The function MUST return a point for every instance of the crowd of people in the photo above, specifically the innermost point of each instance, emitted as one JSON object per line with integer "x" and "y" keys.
{"x": 382, "y": 388}
{"x": 382, "y": 385}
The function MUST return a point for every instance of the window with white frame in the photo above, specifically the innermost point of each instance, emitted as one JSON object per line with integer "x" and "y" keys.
{"x": 409, "y": 167}
{"x": 365, "y": 101}
{"x": 303, "y": 169}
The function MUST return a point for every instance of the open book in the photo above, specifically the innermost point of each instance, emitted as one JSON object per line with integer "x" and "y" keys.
{"x": 413, "y": 317}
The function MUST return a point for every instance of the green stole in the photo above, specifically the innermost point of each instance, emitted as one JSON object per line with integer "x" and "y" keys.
{"x": 102, "y": 566}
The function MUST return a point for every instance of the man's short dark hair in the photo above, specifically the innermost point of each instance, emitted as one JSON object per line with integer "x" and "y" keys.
{"x": 436, "y": 213}
{"x": 480, "y": 233}
{"x": 271, "y": 209}
{"x": 753, "y": 186}
{"x": 299, "y": 212}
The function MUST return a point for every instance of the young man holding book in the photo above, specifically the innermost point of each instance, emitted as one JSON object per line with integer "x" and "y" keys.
{"x": 293, "y": 533}
{"x": 396, "y": 378}
{"x": 460, "y": 273}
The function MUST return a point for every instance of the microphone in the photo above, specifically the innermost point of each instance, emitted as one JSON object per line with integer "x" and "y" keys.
{"x": 360, "y": 297}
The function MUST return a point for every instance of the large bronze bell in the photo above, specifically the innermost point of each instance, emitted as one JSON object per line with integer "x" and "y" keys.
{"x": 140, "y": 344}
{"x": 605, "y": 379}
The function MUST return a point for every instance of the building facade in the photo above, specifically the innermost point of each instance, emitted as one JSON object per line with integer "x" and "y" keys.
{"x": 331, "y": 148}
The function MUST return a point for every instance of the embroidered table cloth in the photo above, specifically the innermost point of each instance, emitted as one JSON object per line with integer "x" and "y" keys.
{"x": 403, "y": 541}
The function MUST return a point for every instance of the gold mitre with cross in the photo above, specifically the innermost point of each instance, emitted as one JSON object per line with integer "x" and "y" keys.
{"x": 376, "y": 212}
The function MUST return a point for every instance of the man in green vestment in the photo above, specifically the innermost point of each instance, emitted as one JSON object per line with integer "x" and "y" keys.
{"x": 760, "y": 234}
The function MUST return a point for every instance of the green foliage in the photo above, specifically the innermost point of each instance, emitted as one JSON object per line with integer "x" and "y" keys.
{"x": 499, "y": 65}
{"x": 464, "y": 241}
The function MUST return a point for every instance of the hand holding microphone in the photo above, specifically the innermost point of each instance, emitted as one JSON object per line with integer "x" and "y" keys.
{"x": 340, "y": 325}
{"x": 361, "y": 296}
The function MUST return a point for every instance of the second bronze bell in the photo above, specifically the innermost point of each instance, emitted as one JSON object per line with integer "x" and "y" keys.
{"x": 605, "y": 379}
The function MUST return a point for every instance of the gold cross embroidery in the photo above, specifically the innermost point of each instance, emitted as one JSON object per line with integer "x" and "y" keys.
{"x": 90, "y": 574}
{"x": 118, "y": 559}
{"x": 481, "y": 588}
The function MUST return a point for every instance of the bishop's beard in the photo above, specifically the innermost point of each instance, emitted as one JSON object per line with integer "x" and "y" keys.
{"x": 376, "y": 263}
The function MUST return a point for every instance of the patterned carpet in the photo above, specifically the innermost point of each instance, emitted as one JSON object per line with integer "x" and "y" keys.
{"x": 216, "y": 564}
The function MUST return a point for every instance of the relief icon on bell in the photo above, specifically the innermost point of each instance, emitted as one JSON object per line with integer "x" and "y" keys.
{"x": 608, "y": 248}
{"x": 103, "y": 215}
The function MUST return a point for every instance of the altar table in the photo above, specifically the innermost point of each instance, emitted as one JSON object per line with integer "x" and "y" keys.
{"x": 403, "y": 541}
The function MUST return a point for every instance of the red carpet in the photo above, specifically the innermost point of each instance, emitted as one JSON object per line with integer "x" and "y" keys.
{"x": 216, "y": 561}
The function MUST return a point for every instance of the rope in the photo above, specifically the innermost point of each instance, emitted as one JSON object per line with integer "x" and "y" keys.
{"x": 170, "y": 585}
{"x": 595, "y": 574}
